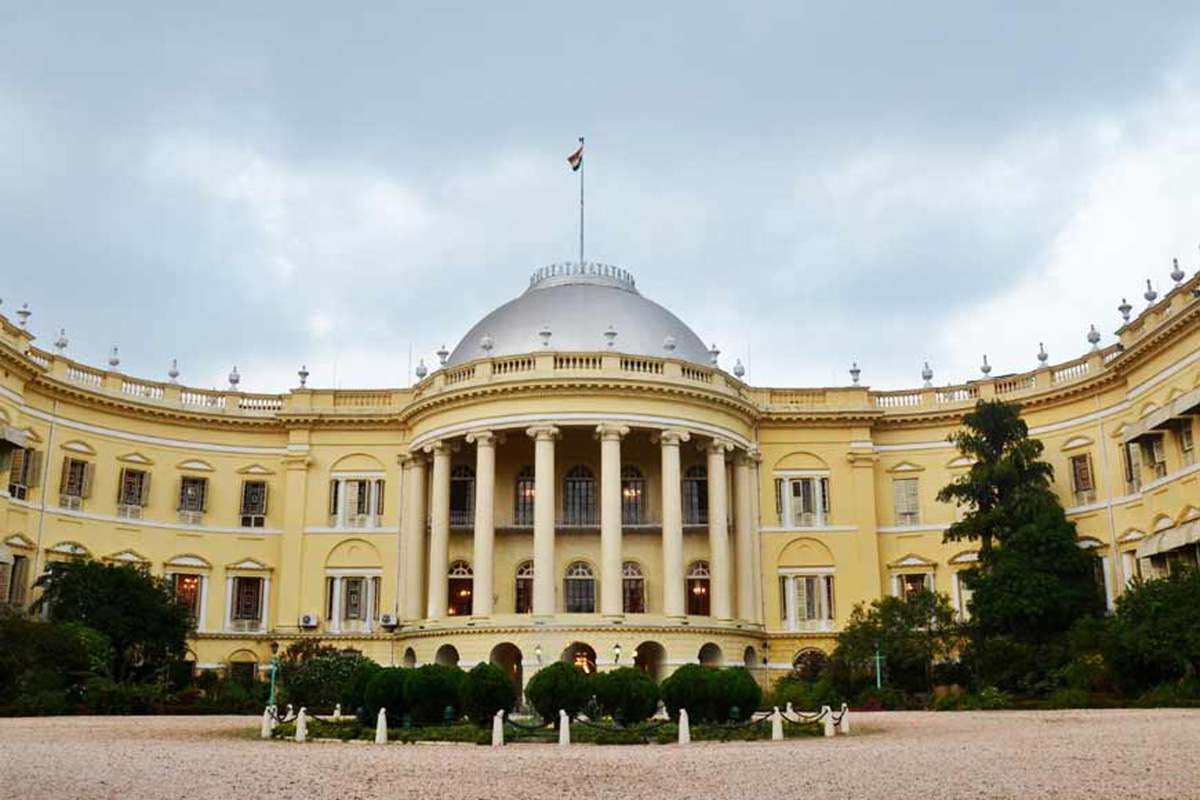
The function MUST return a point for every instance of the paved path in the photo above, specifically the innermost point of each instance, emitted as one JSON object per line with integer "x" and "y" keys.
{"x": 1064, "y": 754}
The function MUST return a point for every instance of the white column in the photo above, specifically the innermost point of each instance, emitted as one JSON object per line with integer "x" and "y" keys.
{"x": 743, "y": 541}
{"x": 672, "y": 523}
{"x": 266, "y": 604}
{"x": 718, "y": 531}
{"x": 544, "y": 572}
{"x": 202, "y": 616}
{"x": 483, "y": 588}
{"x": 228, "y": 602}
{"x": 414, "y": 538}
{"x": 439, "y": 530}
{"x": 611, "y": 596}
{"x": 335, "y": 622}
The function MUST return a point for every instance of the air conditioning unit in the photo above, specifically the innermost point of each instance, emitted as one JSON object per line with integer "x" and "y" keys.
{"x": 129, "y": 512}
{"x": 388, "y": 620}
{"x": 309, "y": 621}
{"x": 70, "y": 502}
{"x": 191, "y": 517}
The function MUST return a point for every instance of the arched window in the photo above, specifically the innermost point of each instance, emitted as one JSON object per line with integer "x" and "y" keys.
{"x": 579, "y": 589}
{"x": 633, "y": 496}
{"x": 579, "y": 497}
{"x": 524, "y": 595}
{"x": 633, "y": 588}
{"x": 460, "y": 585}
{"x": 462, "y": 495}
{"x": 696, "y": 588}
{"x": 523, "y": 503}
{"x": 695, "y": 496}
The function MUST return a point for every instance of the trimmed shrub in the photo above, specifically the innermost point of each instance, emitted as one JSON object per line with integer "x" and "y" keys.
{"x": 316, "y": 675}
{"x": 804, "y": 695}
{"x": 430, "y": 690}
{"x": 628, "y": 695}
{"x": 690, "y": 687}
{"x": 385, "y": 689}
{"x": 1152, "y": 636}
{"x": 558, "y": 686}
{"x": 485, "y": 690}
{"x": 735, "y": 694}
{"x": 354, "y": 693}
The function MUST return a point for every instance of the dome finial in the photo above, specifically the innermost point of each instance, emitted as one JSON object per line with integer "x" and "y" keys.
{"x": 738, "y": 370}
{"x": 1150, "y": 294}
{"x": 985, "y": 368}
{"x": 1177, "y": 274}
{"x": 1094, "y": 338}
{"x": 1124, "y": 308}
{"x": 855, "y": 372}
{"x": 713, "y": 354}
{"x": 927, "y": 375}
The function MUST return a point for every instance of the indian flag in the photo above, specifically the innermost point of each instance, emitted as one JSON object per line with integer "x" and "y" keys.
{"x": 576, "y": 158}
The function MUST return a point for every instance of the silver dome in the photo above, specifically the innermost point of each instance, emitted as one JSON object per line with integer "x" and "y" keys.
{"x": 581, "y": 306}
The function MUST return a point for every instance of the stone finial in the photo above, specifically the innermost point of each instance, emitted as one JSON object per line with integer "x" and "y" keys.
{"x": 443, "y": 355}
{"x": 23, "y": 312}
{"x": 713, "y": 354}
{"x": 739, "y": 371}
{"x": 544, "y": 334}
{"x": 855, "y": 372}
{"x": 1177, "y": 274}
{"x": 1124, "y": 308}
{"x": 486, "y": 344}
{"x": 303, "y": 375}
{"x": 985, "y": 367}
{"x": 927, "y": 375}
{"x": 60, "y": 344}
{"x": 114, "y": 358}
{"x": 1093, "y": 337}
{"x": 234, "y": 379}
{"x": 422, "y": 370}
{"x": 669, "y": 343}
{"x": 1150, "y": 294}
{"x": 173, "y": 372}
{"x": 610, "y": 335}
{"x": 1042, "y": 355}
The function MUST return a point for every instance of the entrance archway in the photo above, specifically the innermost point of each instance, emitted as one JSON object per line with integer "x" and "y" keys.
{"x": 711, "y": 655}
{"x": 447, "y": 656}
{"x": 410, "y": 658}
{"x": 650, "y": 658}
{"x": 581, "y": 655}
{"x": 750, "y": 657}
{"x": 507, "y": 656}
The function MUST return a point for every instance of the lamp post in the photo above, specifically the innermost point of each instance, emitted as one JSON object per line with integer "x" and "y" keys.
{"x": 878, "y": 667}
{"x": 274, "y": 669}
{"x": 617, "y": 653}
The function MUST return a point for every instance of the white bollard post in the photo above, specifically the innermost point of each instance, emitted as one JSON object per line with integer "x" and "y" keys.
{"x": 291, "y": 715}
{"x": 266, "y": 723}
{"x": 845, "y": 724}
{"x": 776, "y": 725}
{"x": 274, "y": 717}
{"x": 337, "y": 711}
{"x": 381, "y": 727}
{"x": 828, "y": 715}
{"x": 685, "y": 731}
{"x": 564, "y": 728}
{"x": 790, "y": 712}
{"x": 661, "y": 711}
{"x": 498, "y": 729}
{"x": 302, "y": 726}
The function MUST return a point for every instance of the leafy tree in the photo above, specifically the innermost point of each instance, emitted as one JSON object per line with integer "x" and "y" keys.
{"x": 911, "y": 635}
{"x": 485, "y": 690}
{"x": 736, "y": 694}
{"x": 558, "y": 686}
{"x": 317, "y": 675}
{"x": 690, "y": 687}
{"x": 1154, "y": 636}
{"x": 44, "y": 667}
{"x": 626, "y": 694}
{"x": 146, "y": 626}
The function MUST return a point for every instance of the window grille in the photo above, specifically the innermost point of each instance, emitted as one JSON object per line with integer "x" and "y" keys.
{"x": 579, "y": 589}
{"x": 695, "y": 496}
{"x": 523, "y": 502}
{"x": 579, "y": 497}
{"x": 633, "y": 588}
{"x": 523, "y": 600}
{"x": 633, "y": 496}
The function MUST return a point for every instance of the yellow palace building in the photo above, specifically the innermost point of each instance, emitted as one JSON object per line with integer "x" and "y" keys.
{"x": 579, "y": 479}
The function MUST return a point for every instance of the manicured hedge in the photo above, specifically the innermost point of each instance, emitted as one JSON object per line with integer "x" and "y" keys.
{"x": 627, "y": 694}
{"x": 430, "y": 690}
{"x": 558, "y": 686}
{"x": 385, "y": 689}
{"x": 485, "y": 690}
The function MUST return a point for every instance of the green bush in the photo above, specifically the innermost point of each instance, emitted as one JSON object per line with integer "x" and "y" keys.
{"x": 991, "y": 699}
{"x": 558, "y": 686}
{"x": 430, "y": 690}
{"x": 628, "y": 695}
{"x": 354, "y": 693}
{"x": 485, "y": 690}
{"x": 1184, "y": 694}
{"x": 316, "y": 675}
{"x": 804, "y": 695}
{"x": 888, "y": 698}
{"x": 735, "y": 694}
{"x": 1152, "y": 638}
{"x": 690, "y": 687}
{"x": 385, "y": 689}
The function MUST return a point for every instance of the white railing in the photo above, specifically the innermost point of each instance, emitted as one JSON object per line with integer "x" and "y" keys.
{"x": 197, "y": 397}
{"x": 84, "y": 375}
{"x": 1070, "y": 372}
{"x": 898, "y": 399}
{"x": 140, "y": 389}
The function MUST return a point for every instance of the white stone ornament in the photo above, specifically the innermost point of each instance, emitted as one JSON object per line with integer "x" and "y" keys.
{"x": 1150, "y": 294}
{"x": 985, "y": 368}
{"x": 713, "y": 354}
{"x": 114, "y": 358}
{"x": 498, "y": 729}
{"x": 685, "y": 731}
{"x": 1177, "y": 274}
{"x": 927, "y": 375}
{"x": 610, "y": 335}
{"x": 1093, "y": 338}
{"x": 60, "y": 344}
{"x": 844, "y": 725}
{"x": 381, "y": 727}
{"x": 486, "y": 344}
{"x": 303, "y": 375}
{"x": 1125, "y": 308}
{"x": 776, "y": 725}
{"x": 855, "y": 373}
{"x": 443, "y": 355}
{"x": 422, "y": 370}
{"x": 827, "y": 713}
{"x": 739, "y": 371}
{"x": 564, "y": 728}
{"x": 544, "y": 334}
{"x": 302, "y": 726}
{"x": 234, "y": 379}
{"x": 266, "y": 723}
{"x": 173, "y": 372}
{"x": 23, "y": 312}
{"x": 1042, "y": 355}
{"x": 669, "y": 343}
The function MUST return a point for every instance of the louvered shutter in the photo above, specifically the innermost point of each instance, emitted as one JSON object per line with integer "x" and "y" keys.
{"x": 203, "y": 494}
{"x": 333, "y": 498}
{"x": 180, "y": 493}
{"x": 379, "y": 495}
{"x": 89, "y": 470}
{"x": 829, "y": 610}
{"x": 783, "y": 590}
{"x": 144, "y": 495}
{"x": 825, "y": 508}
{"x": 64, "y": 478}
{"x": 264, "y": 498}
{"x": 779, "y": 500}
{"x": 16, "y": 468}
{"x": 6, "y": 571}
{"x": 352, "y": 497}
{"x": 33, "y": 471}
{"x": 121, "y": 486}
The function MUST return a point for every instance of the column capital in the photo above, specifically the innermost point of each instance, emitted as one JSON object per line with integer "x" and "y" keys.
{"x": 409, "y": 459}
{"x": 611, "y": 432}
{"x": 543, "y": 433}
{"x": 484, "y": 438}
{"x": 716, "y": 445}
{"x": 441, "y": 447}
{"x": 747, "y": 457}
{"x": 672, "y": 437}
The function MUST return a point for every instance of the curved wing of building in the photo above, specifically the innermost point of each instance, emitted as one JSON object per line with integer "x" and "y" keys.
{"x": 577, "y": 481}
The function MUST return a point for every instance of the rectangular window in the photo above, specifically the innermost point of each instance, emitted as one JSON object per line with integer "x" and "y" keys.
{"x": 1082, "y": 483}
{"x": 962, "y": 596}
{"x": 254, "y": 504}
{"x": 193, "y": 495}
{"x": 1156, "y": 455}
{"x": 354, "y": 599}
{"x": 906, "y": 500}
{"x": 134, "y": 488}
{"x": 580, "y": 595}
{"x": 76, "y": 480}
{"x": 909, "y": 584}
{"x": 187, "y": 591}
{"x": 524, "y": 595}
{"x": 247, "y": 599}
{"x": 806, "y": 602}
{"x": 24, "y": 472}
{"x": 1133, "y": 467}
{"x": 633, "y": 591}
{"x": 807, "y": 502}
{"x": 17, "y": 576}
{"x": 1187, "y": 444}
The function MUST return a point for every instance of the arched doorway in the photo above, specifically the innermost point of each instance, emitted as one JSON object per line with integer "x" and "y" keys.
{"x": 581, "y": 655}
{"x": 750, "y": 657}
{"x": 410, "y": 658}
{"x": 650, "y": 658}
{"x": 711, "y": 655}
{"x": 507, "y": 656}
{"x": 447, "y": 656}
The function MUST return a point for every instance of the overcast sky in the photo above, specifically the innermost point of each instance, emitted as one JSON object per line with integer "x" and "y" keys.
{"x": 270, "y": 184}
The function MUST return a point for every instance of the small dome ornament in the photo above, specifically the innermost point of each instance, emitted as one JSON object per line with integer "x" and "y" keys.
{"x": 60, "y": 344}
{"x": 1177, "y": 274}
{"x": 422, "y": 370}
{"x": 739, "y": 371}
{"x": 234, "y": 379}
{"x": 713, "y": 354}
{"x": 443, "y": 356}
{"x": 855, "y": 373}
{"x": 669, "y": 343}
{"x": 544, "y": 334}
{"x": 173, "y": 372}
{"x": 114, "y": 358}
{"x": 1124, "y": 308}
{"x": 303, "y": 375}
{"x": 1042, "y": 355}
{"x": 23, "y": 312}
{"x": 610, "y": 335}
{"x": 1094, "y": 338}
{"x": 486, "y": 344}
{"x": 985, "y": 367}
{"x": 1150, "y": 294}
{"x": 927, "y": 375}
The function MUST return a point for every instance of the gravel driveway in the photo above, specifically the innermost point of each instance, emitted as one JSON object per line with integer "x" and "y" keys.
{"x": 1063, "y": 754}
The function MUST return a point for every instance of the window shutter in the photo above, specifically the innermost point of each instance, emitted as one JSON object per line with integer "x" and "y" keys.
{"x": 802, "y": 598}
{"x": 825, "y": 496}
{"x": 245, "y": 506}
{"x": 352, "y": 497}
{"x": 379, "y": 494}
{"x": 6, "y": 578}
{"x": 89, "y": 469}
{"x": 33, "y": 472}
{"x": 264, "y": 498}
{"x": 779, "y": 499}
{"x": 329, "y": 597}
{"x": 1084, "y": 464}
{"x": 121, "y": 486}
{"x": 829, "y": 613}
{"x": 144, "y": 495}
{"x": 64, "y": 479}
{"x": 783, "y": 590}
{"x": 16, "y": 468}
{"x": 333, "y": 497}
{"x": 204, "y": 494}
{"x": 179, "y": 493}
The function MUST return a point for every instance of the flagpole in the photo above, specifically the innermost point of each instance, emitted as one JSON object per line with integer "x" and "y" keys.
{"x": 582, "y": 167}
